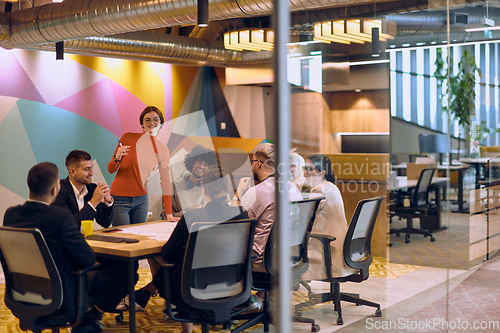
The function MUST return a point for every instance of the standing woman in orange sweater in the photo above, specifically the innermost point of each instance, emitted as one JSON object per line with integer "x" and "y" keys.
{"x": 135, "y": 157}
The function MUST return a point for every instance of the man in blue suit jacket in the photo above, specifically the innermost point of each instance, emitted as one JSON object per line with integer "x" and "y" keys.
{"x": 67, "y": 245}
{"x": 83, "y": 198}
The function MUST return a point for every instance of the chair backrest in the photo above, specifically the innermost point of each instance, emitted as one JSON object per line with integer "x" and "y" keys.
{"x": 489, "y": 151}
{"x": 421, "y": 192}
{"x": 33, "y": 287}
{"x": 357, "y": 243}
{"x": 302, "y": 216}
{"x": 217, "y": 272}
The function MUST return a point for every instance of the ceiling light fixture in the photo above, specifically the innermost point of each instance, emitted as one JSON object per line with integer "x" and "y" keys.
{"x": 60, "y": 51}
{"x": 203, "y": 13}
{"x": 249, "y": 40}
{"x": 375, "y": 42}
{"x": 350, "y": 31}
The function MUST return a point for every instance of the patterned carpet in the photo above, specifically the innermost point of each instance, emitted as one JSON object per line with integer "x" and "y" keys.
{"x": 151, "y": 320}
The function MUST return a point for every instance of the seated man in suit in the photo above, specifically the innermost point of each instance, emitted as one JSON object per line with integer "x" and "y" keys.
{"x": 67, "y": 245}
{"x": 187, "y": 189}
{"x": 258, "y": 201}
{"x": 83, "y": 198}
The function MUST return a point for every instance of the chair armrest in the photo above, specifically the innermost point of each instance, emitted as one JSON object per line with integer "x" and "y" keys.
{"x": 327, "y": 255}
{"x": 160, "y": 261}
{"x": 325, "y": 239}
{"x": 86, "y": 270}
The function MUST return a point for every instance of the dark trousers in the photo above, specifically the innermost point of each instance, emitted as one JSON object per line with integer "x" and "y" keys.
{"x": 110, "y": 281}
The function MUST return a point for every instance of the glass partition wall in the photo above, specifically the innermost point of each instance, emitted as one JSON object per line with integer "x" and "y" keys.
{"x": 379, "y": 93}
{"x": 424, "y": 95}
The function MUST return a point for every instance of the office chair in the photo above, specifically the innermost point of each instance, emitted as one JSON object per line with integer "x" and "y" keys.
{"x": 419, "y": 206}
{"x": 216, "y": 277}
{"x": 357, "y": 255}
{"x": 302, "y": 214}
{"x": 33, "y": 286}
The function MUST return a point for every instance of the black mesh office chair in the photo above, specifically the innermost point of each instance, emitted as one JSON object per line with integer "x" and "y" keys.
{"x": 33, "y": 287}
{"x": 302, "y": 215}
{"x": 419, "y": 206}
{"x": 216, "y": 277}
{"x": 357, "y": 255}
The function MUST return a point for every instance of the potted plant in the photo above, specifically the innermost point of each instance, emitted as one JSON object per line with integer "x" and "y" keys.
{"x": 459, "y": 95}
{"x": 482, "y": 132}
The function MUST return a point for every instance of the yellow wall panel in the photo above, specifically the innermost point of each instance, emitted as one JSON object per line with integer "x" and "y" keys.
{"x": 183, "y": 77}
{"x": 138, "y": 77}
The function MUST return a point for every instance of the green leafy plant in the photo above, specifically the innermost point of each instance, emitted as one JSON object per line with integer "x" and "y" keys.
{"x": 458, "y": 95}
{"x": 482, "y": 132}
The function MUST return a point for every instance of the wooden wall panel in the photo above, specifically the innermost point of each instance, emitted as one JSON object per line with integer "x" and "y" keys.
{"x": 310, "y": 119}
{"x": 359, "y": 112}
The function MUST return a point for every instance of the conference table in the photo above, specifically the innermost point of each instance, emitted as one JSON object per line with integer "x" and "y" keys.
{"x": 151, "y": 236}
{"x": 437, "y": 182}
{"x": 460, "y": 185}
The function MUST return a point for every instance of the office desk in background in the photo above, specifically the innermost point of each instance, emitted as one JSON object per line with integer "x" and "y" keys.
{"x": 131, "y": 253}
{"x": 460, "y": 169}
{"x": 438, "y": 183}
{"x": 477, "y": 163}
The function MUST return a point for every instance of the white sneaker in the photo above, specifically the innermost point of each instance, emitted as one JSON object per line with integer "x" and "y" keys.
{"x": 257, "y": 304}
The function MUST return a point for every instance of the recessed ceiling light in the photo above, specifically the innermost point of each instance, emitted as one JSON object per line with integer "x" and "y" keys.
{"x": 421, "y": 43}
{"x": 357, "y": 90}
{"x": 392, "y": 46}
{"x": 405, "y": 45}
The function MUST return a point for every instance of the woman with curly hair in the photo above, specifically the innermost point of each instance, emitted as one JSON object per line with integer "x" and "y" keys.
{"x": 187, "y": 189}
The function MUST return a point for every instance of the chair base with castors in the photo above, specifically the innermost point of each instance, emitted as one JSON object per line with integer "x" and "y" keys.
{"x": 357, "y": 255}
{"x": 411, "y": 230}
{"x": 335, "y": 296}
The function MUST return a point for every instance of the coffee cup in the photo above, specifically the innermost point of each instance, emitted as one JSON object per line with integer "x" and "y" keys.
{"x": 87, "y": 227}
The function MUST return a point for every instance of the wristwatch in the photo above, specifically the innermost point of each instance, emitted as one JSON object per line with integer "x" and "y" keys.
{"x": 116, "y": 160}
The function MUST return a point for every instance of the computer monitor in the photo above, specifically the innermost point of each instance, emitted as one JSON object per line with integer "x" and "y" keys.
{"x": 433, "y": 143}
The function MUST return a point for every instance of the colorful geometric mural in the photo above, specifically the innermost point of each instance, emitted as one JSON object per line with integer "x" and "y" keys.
{"x": 49, "y": 107}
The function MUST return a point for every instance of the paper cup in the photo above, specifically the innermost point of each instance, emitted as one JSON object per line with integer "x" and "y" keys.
{"x": 87, "y": 227}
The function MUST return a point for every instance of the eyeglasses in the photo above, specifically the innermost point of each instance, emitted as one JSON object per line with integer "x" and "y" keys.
{"x": 251, "y": 161}
{"x": 308, "y": 168}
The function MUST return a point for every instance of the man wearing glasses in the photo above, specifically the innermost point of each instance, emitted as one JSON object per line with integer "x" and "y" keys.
{"x": 259, "y": 202}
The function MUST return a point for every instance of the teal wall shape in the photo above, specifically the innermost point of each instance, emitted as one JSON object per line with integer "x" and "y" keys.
{"x": 17, "y": 154}
{"x": 54, "y": 132}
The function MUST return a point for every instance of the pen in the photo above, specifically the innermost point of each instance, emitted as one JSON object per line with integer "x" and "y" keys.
{"x": 119, "y": 143}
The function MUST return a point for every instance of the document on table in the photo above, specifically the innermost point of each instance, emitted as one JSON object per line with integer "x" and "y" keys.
{"x": 157, "y": 231}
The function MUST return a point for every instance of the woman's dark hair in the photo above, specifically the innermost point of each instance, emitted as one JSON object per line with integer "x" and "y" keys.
{"x": 149, "y": 109}
{"x": 200, "y": 153}
{"x": 322, "y": 162}
{"x": 217, "y": 183}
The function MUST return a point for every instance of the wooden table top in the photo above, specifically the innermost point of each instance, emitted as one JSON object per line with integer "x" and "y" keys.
{"x": 479, "y": 160}
{"x": 439, "y": 167}
{"x": 403, "y": 182}
{"x": 145, "y": 246}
